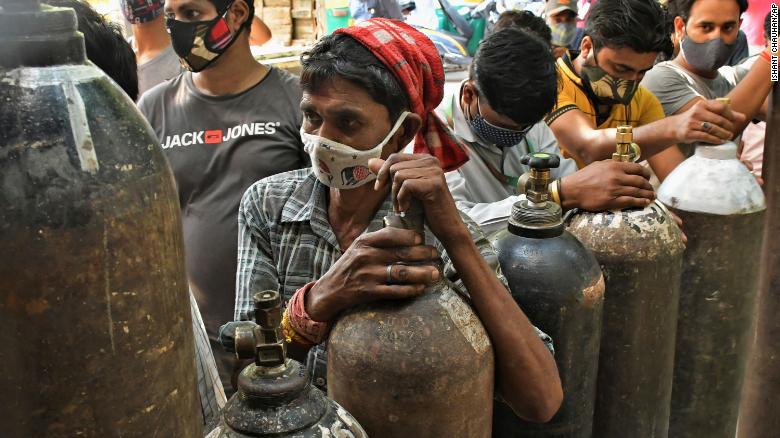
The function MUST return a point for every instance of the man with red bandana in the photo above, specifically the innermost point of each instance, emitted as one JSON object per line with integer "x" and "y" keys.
{"x": 318, "y": 238}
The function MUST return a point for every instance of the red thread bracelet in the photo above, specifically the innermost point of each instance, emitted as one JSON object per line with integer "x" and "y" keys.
{"x": 301, "y": 322}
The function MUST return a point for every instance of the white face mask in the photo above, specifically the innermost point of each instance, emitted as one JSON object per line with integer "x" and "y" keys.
{"x": 340, "y": 166}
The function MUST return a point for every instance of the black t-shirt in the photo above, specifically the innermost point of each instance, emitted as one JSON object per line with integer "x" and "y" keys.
{"x": 218, "y": 147}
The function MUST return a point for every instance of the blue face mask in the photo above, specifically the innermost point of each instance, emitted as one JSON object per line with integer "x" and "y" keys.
{"x": 563, "y": 34}
{"x": 501, "y": 137}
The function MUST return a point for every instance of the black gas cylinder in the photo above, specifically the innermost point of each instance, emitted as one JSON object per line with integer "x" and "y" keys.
{"x": 558, "y": 284}
{"x": 275, "y": 396}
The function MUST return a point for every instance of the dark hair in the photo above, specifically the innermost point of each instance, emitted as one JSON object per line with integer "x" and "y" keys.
{"x": 524, "y": 20}
{"x": 514, "y": 72}
{"x": 637, "y": 24}
{"x": 106, "y": 47}
{"x": 341, "y": 57}
{"x": 221, "y": 5}
{"x": 768, "y": 26}
{"x": 669, "y": 15}
{"x": 683, "y": 7}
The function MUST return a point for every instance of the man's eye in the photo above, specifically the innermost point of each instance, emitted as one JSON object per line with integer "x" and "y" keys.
{"x": 706, "y": 28}
{"x": 191, "y": 14}
{"x": 348, "y": 125}
{"x": 311, "y": 117}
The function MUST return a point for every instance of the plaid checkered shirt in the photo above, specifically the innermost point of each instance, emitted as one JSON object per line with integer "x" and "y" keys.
{"x": 286, "y": 241}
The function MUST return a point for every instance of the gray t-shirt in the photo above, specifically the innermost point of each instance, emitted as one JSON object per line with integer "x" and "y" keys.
{"x": 674, "y": 86}
{"x": 218, "y": 147}
{"x": 159, "y": 69}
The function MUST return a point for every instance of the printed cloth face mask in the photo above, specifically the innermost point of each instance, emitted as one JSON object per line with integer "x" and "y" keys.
{"x": 493, "y": 134}
{"x": 606, "y": 89}
{"x": 141, "y": 11}
{"x": 340, "y": 166}
{"x": 199, "y": 43}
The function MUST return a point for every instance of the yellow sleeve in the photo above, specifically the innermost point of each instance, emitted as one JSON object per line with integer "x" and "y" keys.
{"x": 566, "y": 100}
{"x": 650, "y": 108}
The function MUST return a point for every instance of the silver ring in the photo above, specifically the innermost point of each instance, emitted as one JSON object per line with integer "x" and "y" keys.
{"x": 389, "y": 272}
{"x": 706, "y": 126}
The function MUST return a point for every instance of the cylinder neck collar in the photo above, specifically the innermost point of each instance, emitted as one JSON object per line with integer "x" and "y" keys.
{"x": 35, "y": 35}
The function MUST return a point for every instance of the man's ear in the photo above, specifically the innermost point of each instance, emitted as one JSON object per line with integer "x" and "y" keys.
{"x": 679, "y": 27}
{"x": 586, "y": 45}
{"x": 407, "y": 131}
{"x": 239, "y": 13}
{"x": 469, "y": 92}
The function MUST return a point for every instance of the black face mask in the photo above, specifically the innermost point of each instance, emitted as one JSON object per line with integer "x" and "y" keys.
{"x": 605, "y": 89}
{"x": 199, "y": 43}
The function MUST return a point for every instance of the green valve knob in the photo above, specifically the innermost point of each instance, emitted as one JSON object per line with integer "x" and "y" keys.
{"x": 541, "y": 160}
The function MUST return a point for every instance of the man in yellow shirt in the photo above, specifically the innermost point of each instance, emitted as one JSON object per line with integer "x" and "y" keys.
{"x": 599, "y": 90}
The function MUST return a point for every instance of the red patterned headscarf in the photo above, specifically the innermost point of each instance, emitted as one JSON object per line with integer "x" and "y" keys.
{"x": 415, "y": 62}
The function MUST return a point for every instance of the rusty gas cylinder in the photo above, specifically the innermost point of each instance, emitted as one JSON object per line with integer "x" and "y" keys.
{"x": 761, "y": 391}
{"x": 97, "y": 336}
{"x": 640, "y": 252}
{"x": 558, "y": 284}
{"x": 275, "y": 396}
{"x": 421, "y": 367}
{"x": 722, "y": 208}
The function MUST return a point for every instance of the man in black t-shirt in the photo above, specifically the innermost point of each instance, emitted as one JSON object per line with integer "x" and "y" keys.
{"x": 224, "y": 124}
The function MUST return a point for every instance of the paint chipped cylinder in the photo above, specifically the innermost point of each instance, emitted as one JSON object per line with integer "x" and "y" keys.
{"x": 640, "y": 253}
{"x": 97, "y": 337}
{"x": 275, "y": 396}
{"x": 722, "y": 208}
{"x": 421, "y": 367}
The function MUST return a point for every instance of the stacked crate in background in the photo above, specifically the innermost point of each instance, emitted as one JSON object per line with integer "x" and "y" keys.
{"x": 276, "y": 14}
{"x": 304, "y": 22}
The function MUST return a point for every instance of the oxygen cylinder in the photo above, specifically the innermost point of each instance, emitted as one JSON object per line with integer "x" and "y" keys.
{"x": 761, "y": 392}
{"x": 275, "y": 395}
{"x": 558, "y": 284}
{"x": 722, "y": 208}
{"x": 97, "y": 335}
{"x": 640, "y": 252}
{"x": 421, "y": 367}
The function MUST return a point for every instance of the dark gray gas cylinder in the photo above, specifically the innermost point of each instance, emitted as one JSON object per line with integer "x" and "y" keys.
{"x": 275, "y": 396}
{"x": 722, "y": 208}
{"x": 640, "y": 252}
{"x": 558, "y": 284}
{"x": 96, "y": 335}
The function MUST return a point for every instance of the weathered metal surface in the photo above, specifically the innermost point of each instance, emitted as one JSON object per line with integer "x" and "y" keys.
{"x": 275, "y": 396}
{"x": 722, "y": 208}
{"x": 420, "y": 367}
{"x": 761, "y": 393}
{"x": 97, "y": 338}
{"x": 719, "y": 285}
{"x": 298, "y": 409}
{"x": 640, "y": 253}
{"x": 558, "y": 284}
{"x": 712, "y": 181}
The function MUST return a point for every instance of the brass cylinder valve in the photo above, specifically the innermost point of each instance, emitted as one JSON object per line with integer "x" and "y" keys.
{"x": 626, "y": 150}
{"x": 535, "y": 183}
{"x": 264, "y": 342}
